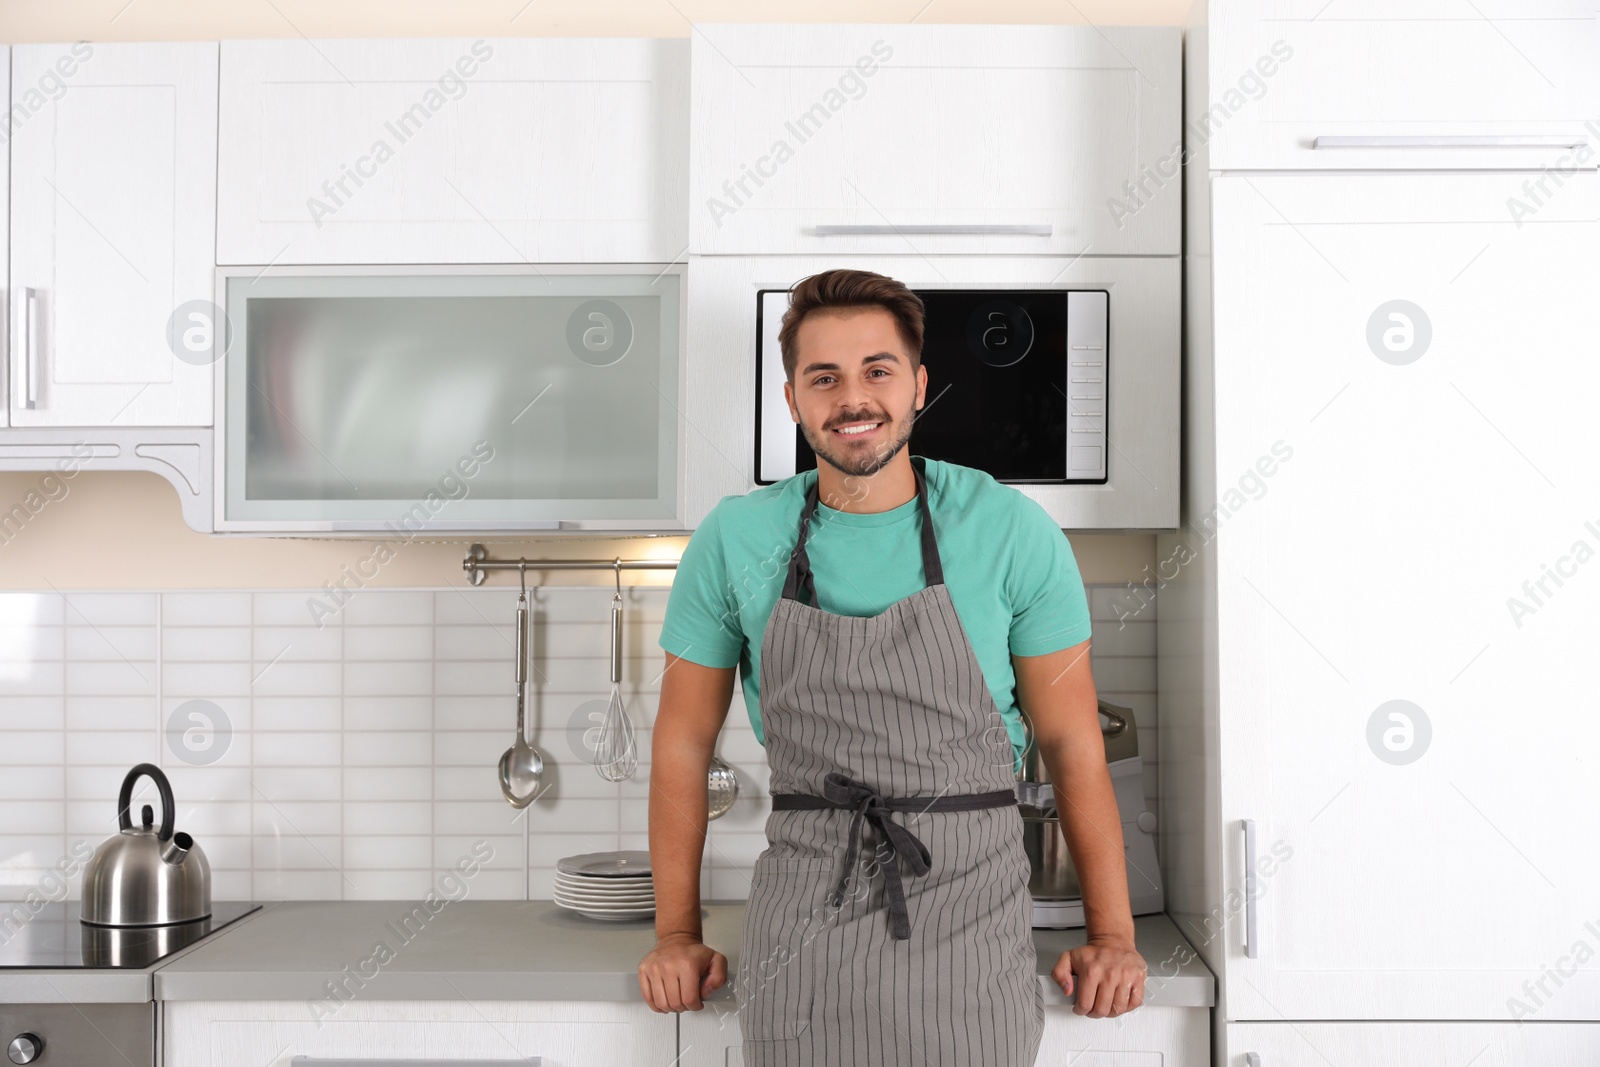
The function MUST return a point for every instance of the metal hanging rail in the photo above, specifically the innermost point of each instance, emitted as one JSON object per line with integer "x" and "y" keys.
{"x": 477, "y": 564}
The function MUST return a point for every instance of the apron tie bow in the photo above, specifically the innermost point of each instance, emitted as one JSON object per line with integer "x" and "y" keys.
{"x": 869, "y": 805}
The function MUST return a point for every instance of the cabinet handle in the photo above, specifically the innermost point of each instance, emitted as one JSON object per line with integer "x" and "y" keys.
{"x": 25, "y": 343}
{"x": 1252, "y": 1059}
{"x": 1025, "y": 229}
{"x": 1251, "y": 948}
{"x": 318, "y": 1061}
{"x": 462, "y": 525}
{"x": 1550, "y": 140}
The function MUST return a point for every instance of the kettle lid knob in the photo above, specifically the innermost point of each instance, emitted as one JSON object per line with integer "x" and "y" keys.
{"x": 149, "y": 816}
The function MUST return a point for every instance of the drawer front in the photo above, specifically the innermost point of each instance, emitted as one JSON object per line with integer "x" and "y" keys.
{"x": 1401, "y": 84}
{"x": 1479, "y": 1044}
{"x": 452, "y": 151}
{"x": 935, "y": 139}
{"x": 1152, "y": 1036}
{"x": 273, "y": 1033}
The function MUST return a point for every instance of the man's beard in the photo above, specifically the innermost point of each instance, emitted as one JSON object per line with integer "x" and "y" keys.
{"x": 857, "y": 462}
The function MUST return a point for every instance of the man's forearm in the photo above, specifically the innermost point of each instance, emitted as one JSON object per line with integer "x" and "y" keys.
{"x": 1092, "y": 827}
{"x": 678, "y": 769}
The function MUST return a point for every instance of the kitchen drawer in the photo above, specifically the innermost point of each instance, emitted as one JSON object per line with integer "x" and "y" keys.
{"x": 1020, "y": 139}
{"x": 1290, "y": 1044}
{"x": 453, "y": 151}
{"x": 1374, "y": 84}
{"x": 1151, "y": 1036}
{"x": 272, "y": 1033}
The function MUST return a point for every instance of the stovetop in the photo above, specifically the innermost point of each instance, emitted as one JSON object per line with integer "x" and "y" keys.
{"x": 53, "y": 937}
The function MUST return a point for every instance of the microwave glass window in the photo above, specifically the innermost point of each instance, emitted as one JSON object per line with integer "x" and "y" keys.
{"x": 1011, "y": 389}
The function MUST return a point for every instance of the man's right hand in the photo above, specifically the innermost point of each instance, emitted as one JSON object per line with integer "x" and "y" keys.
{"x": 680, "y": 970}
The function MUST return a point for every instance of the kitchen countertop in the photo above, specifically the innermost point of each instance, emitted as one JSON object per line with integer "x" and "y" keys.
{"x": 526, "y": 950}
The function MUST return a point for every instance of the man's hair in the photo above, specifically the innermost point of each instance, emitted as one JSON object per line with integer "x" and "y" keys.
{"x": 851, "y": 289}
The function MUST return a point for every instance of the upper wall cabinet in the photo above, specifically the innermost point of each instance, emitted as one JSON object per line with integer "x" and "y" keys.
{"x": 1046, "y": 140}
{"x": 453, "y": 151}
{"x": 1442, "y": 84}
{"x": 5, "y": 236}
{"x": 113, "y": 180}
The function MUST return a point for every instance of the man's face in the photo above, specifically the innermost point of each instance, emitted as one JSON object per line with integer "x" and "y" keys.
{"x": 854, "y": 393}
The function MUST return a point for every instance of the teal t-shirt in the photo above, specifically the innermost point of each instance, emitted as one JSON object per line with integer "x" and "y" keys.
{"x": 1009, "y": 569}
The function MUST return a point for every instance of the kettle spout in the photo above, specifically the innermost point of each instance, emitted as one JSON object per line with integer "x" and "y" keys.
{"x": 176, "y": 850}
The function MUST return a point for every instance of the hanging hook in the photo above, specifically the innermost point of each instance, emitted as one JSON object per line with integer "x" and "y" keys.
{"x": 522, "y": 576}
{"x": 617, "y": 573}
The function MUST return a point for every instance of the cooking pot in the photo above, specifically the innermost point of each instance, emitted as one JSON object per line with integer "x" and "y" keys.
{"x": 144, "y": 876}
{"x": 1052, "y": 875}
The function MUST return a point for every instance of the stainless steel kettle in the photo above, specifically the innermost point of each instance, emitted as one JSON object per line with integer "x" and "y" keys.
{"x": 144, "y": 876}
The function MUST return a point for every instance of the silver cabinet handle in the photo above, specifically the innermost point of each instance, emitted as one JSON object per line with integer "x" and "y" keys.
{"x": 446, "y": 525}
{"x": 1252, "y": 1059}
{"x": 1551, "y": 140}
{"x": 25, "y": 343}
{"x": 1025, "y": 229}
{"x": 318, "y": 1061}
{"x": 1251, "y": 948}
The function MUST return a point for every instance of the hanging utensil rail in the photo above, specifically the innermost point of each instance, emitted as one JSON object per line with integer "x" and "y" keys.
{"x": 477, "y": 564}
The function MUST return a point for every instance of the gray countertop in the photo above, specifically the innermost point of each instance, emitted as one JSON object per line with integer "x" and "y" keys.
{"x": 524, "y": 950}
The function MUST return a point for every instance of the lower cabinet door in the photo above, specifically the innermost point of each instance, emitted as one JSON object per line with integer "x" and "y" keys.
{"x": 1408, "y": 1044}
{"x": 1149, "y": 1037}
{"x": 436, "y": 1033}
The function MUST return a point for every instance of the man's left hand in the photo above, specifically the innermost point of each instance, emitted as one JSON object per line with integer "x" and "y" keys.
{"x": 1108, "y": 977}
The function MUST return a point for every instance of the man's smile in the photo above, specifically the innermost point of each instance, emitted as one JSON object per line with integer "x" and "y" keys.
{"x": 857, "y": 429}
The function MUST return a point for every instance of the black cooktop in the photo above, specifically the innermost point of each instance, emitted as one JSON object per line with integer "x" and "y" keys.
{"x": 53, "y": 937}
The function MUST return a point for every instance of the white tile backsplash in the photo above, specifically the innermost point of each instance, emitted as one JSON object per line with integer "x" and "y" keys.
{"x": 348, "y": 751}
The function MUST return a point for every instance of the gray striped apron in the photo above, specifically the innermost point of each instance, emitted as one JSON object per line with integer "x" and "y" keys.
{"x": 889, "y": 921}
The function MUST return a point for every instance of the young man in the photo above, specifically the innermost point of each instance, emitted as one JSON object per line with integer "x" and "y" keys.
{"x": 889, "y": 920}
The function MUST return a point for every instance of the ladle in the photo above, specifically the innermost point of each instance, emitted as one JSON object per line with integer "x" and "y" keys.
{"x": 521, "y": 765}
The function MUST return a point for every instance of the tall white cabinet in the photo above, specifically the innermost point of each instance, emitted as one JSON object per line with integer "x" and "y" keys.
{"x": 1376, "y": 646}
{"x": 113, "y": 222}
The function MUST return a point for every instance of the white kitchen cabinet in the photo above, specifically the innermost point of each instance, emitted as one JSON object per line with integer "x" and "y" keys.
{"x": 1141, "y": 489}
{"x": 520, "y": 150}
{"x": 5, "y": 237}
{"x": 1034, "y": 140}
{"x": 410, "y": 399}
{"x": 1376, "y": 84}
{"x": 272, "y": 1033}
{"x": 1148, "y": 1037}
{"x": 1381, "y": 445}
{"x": 113, "y": 180}
{"x": 1409, "y": 1044}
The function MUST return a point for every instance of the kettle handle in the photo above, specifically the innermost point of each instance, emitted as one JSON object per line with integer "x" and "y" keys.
{"x": 164, "y": 787}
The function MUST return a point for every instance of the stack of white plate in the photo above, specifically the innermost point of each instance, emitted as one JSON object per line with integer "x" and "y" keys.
{"x": 607, "y": 885}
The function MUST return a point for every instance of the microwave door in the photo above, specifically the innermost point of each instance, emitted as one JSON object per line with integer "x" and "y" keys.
{"x": 776, "y": 434}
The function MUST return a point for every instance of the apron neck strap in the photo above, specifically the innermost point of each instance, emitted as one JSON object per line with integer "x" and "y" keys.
{"x": 800, "y": 574}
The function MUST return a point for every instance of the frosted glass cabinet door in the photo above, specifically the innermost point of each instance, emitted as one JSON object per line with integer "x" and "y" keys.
{"x": 1408, "y": 567}
{"x": 391, "y": 399}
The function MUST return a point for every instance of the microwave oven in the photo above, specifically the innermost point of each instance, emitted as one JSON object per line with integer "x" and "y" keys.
{"x": 1018, "y": 385}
